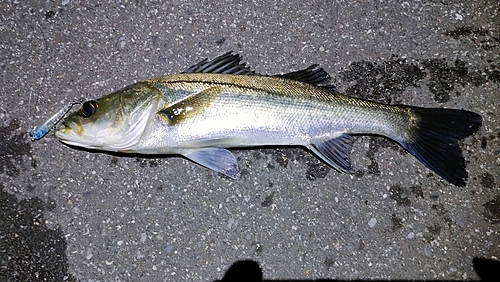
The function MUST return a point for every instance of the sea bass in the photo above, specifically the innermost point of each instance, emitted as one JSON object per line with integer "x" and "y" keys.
{"x": 220, "y": 104}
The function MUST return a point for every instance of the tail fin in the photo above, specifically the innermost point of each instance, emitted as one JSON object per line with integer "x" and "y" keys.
{"x": 435, "y": 139}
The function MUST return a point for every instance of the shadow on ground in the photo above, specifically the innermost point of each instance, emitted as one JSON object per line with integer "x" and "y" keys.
{"x": 249, "y": 270}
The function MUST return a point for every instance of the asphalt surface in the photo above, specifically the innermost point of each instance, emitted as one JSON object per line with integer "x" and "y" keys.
{"x": 74, "y": 215}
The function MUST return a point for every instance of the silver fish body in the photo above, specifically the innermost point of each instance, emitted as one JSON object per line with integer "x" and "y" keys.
{"x": 199, "y": 114}
{"x": 239, "y": 111}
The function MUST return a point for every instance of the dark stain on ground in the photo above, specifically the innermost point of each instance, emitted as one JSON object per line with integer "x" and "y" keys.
{"x": 397, "y": 222}
{"x": 484, "y": 142}
{"x": 359, "y": 173}
{"x": 377, "y": 142}
{"x": 385, "y": 82}
{"x": 147, "y": 162}
{"x": 433, "y": 233}
{"x": 114, "y": 160}
{"x": 270, "y": 166}
{"x": 493, "y": 73}
{"x": 14, "y": 147}
{"x": 459, "y": 32}
{"x": 478, "y": 35}
{"x": 258, "y": 248}
{"x": 487, "y": 180}
{"x": 418, "y": 191}
{"x": 244, "y": 173}
{"x": 492, "y": 210}
{"x": 434, "y": 195}
{"x": 439, "y": 208}
{"x": 401, "y": 195}
{"x": 382, "y": 82}
{"x": 282, "y": 156}
{"x": 373, "y": 166}
{"x": 493, "y": 137}
{"x": 329, "y": 262}
{"x": 268, "y": 201}
{"x": 257, "y": 154}
{"x": 361, "y": 245}
{"x": 444, "y": 77}
{"x": 316, "y": 169}
{"x": 49, "y": 14}
{"x": 29, "y": 250}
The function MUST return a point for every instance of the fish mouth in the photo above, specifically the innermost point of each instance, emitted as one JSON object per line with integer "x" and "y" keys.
{"x": 71, "y": 134}
{"x": 65, "y": 124}
{"x": 68, "y": 129}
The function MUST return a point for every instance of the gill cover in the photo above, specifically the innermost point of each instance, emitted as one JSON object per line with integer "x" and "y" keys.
{"x": 115, "y": 122}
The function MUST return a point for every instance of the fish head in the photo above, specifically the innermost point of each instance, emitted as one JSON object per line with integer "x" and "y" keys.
{"x": 114, "y": 122}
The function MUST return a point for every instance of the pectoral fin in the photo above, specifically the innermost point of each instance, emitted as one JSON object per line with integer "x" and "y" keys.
{"x": 194, "y": 104}
{"x": 336, "y": 152}
{"x": 218, "y": 159}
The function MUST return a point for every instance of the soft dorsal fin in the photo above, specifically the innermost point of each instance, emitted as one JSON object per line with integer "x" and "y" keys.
{"x": 311, "y": 75}
{"x": 230, "y": 63}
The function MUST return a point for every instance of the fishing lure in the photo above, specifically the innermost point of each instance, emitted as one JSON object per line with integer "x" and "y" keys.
{"x": 38, "y": 132}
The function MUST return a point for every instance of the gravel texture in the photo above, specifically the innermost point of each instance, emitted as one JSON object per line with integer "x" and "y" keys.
{"x": 73, "y": 215}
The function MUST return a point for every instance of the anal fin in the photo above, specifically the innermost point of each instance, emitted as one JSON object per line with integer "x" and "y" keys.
{"x": 217, "y": 159}
{"x": 335, "y": 152}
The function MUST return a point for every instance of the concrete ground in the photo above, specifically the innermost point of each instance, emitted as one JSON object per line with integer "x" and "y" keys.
{"x": 74, "y": 215}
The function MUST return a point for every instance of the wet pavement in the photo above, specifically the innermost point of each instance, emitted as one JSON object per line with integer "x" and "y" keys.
{"x": 75, "y": 215}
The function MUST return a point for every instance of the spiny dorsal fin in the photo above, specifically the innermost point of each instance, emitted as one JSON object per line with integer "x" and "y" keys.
{"x": 227, "y": 63}
{"x": 230, "y": 63}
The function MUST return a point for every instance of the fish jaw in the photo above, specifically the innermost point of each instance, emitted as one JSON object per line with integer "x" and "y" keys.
{"x": 86, "y": 136}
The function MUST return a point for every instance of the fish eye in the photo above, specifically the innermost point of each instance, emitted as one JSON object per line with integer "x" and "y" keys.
{"x": 88, "y": 108}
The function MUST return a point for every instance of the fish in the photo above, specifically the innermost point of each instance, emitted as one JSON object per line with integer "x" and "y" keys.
{"x": 219, "y": 104}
